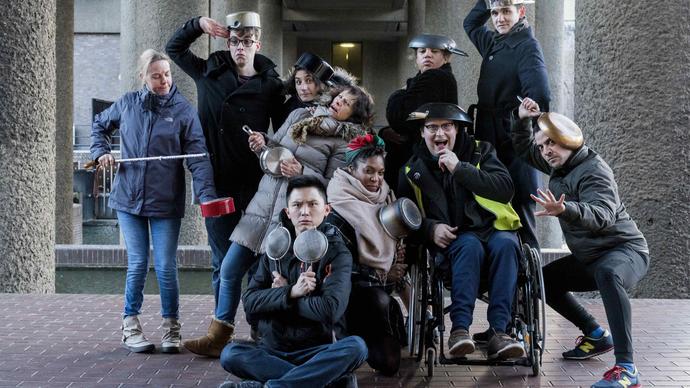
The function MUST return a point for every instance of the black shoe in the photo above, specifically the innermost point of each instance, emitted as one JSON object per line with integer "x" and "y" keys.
{"x": 504, "y": 347}
{"x": 482, "y": 337}
{"x": 460, "y": 343}
{"x": 588, "y": 347}
{"x": 241, "y": 384}
{"x": 348, "y": 380}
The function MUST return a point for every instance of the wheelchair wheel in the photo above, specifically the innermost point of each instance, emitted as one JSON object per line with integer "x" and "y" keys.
{"x": 421, "y": 313}
{"x": 535, "y": 357}
{"x": 413, "y": 311}
{"x": 539, "y": 300}
{"x": 430, "y": 361}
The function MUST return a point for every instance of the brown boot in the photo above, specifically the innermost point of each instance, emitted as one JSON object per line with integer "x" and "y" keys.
{"x": 210, "y": 345}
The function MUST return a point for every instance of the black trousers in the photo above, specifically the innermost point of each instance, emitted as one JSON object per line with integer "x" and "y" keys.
{"x": 616, "y": 271}
{"x": 376, "y": 317}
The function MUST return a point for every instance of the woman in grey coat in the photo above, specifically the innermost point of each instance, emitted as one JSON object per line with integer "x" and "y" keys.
{"x": 318, "y": 138}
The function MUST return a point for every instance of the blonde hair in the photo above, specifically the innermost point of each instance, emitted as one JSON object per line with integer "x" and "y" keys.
{"x": 148, "y": 57}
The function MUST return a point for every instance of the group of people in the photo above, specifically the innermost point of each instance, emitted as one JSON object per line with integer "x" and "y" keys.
{"x": 473, "y": 177}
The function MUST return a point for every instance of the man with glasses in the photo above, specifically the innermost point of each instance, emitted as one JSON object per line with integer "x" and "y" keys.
{"x": 464, "y": 193}
{"x": 235, "y": 87}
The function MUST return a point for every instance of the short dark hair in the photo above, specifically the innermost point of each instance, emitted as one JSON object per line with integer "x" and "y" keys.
{"x": 363, "y": 110}
{"x": 305, "y": 181}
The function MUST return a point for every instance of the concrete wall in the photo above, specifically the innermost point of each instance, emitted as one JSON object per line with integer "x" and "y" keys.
{"x": 96, "y": 75}
{"x": 380, "y": 78}
{"x": 27, "y": 147}
{"x": 97, "y": 16}
{"x": 632, "y": 99}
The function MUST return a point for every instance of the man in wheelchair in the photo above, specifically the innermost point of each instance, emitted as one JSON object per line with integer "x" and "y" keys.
{"x": 609, "y": 253}
{"x": 464, "y": 193}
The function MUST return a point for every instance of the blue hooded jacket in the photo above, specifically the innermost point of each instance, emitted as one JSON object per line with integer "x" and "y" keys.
{"x": 152, "y": 125}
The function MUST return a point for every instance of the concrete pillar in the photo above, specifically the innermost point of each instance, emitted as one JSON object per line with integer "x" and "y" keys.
{"x": 416, "y": 19}
{"x": 27, "y": 147}
{"x": 289, "y": 52}
{"x": 444, "y": 17}
{"x": 221, "y": 8}
{"x": 380, "y": 55}
{"x": 632, "y": 101}
{"x": 549, "y": 30}
{"x": 271, "y": 12}
{"x": 149, "y": 24}
{"x": 64, "y": 57}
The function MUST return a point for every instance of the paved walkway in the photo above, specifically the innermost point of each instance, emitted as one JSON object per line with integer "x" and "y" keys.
{"x": 73, "y": 341}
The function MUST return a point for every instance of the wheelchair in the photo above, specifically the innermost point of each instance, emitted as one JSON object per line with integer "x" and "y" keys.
{"x": 527, "y": 325}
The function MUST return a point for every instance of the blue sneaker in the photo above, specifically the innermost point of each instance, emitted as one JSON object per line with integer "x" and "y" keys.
{"x": 588, "y": 347}
{"x": 619, "y": 377}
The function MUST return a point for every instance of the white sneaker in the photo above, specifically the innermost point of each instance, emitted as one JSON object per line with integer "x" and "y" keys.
{"x": 171, "y": 340}
{"x": 133, "y": 338}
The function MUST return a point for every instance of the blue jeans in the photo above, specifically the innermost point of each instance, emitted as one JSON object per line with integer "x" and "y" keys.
{"x": 312, "y": 367}
{"x": 236, "y": 263}
{"x": 467, "y": 254}
{"x": 219, "y": 230}
{"x": 164, "y": 235}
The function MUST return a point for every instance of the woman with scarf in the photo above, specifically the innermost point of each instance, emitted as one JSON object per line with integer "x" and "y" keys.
{"x": 154, "y": 121}
{"x": 356, "y": 194}
{"x": 512, "y": 66}
{"x": 318, "y": 140}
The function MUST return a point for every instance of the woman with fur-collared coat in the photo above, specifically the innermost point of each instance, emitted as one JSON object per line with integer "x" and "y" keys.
{"x": 318, "y": 139}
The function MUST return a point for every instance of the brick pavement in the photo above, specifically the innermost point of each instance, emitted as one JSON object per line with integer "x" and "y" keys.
{"x": 73, "y": 341}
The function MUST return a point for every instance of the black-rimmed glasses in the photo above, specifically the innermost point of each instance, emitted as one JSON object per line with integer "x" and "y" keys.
{"x": 246, "y": 42}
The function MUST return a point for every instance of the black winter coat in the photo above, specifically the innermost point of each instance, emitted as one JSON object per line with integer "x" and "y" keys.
{"x": 434, "y": 85}
{"x": 288, "y": 324}
{"x": 225, "y": 106}
{"x": 513, "y": 67}
{"x": 447, "y": 197}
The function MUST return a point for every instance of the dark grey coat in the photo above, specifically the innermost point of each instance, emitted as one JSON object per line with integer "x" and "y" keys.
{"x": 513, "y": 67}
{"x": 595, "y": 219}
{"x": 153, "y": 189}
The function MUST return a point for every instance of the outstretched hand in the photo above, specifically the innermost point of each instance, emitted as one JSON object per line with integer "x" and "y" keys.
{"x": 552, "y": 206}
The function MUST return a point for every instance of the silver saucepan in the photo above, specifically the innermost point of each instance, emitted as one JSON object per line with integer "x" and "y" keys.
{"x": 400, "y": 218}
{"x": 270, "y": 157}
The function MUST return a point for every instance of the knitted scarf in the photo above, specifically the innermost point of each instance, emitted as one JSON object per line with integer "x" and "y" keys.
{"x": 360, "y": 207}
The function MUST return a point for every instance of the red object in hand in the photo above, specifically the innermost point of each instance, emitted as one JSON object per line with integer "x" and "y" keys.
{"x": 218, "y": 207}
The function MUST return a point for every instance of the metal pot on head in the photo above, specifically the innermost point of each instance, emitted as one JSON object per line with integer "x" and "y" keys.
{"x": 400, "y": 218}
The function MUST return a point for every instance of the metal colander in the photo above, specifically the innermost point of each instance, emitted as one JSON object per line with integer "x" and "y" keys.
{"x": 310, "y": 246}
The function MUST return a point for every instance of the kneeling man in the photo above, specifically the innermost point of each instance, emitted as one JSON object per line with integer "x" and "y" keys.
{"x": 299, "y": 314}
{"x": 609, "y": 253}
{"x": 464, "y": 192}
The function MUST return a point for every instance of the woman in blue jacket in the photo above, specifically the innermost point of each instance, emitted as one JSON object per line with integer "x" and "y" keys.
{"x": 149, "y": 196}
